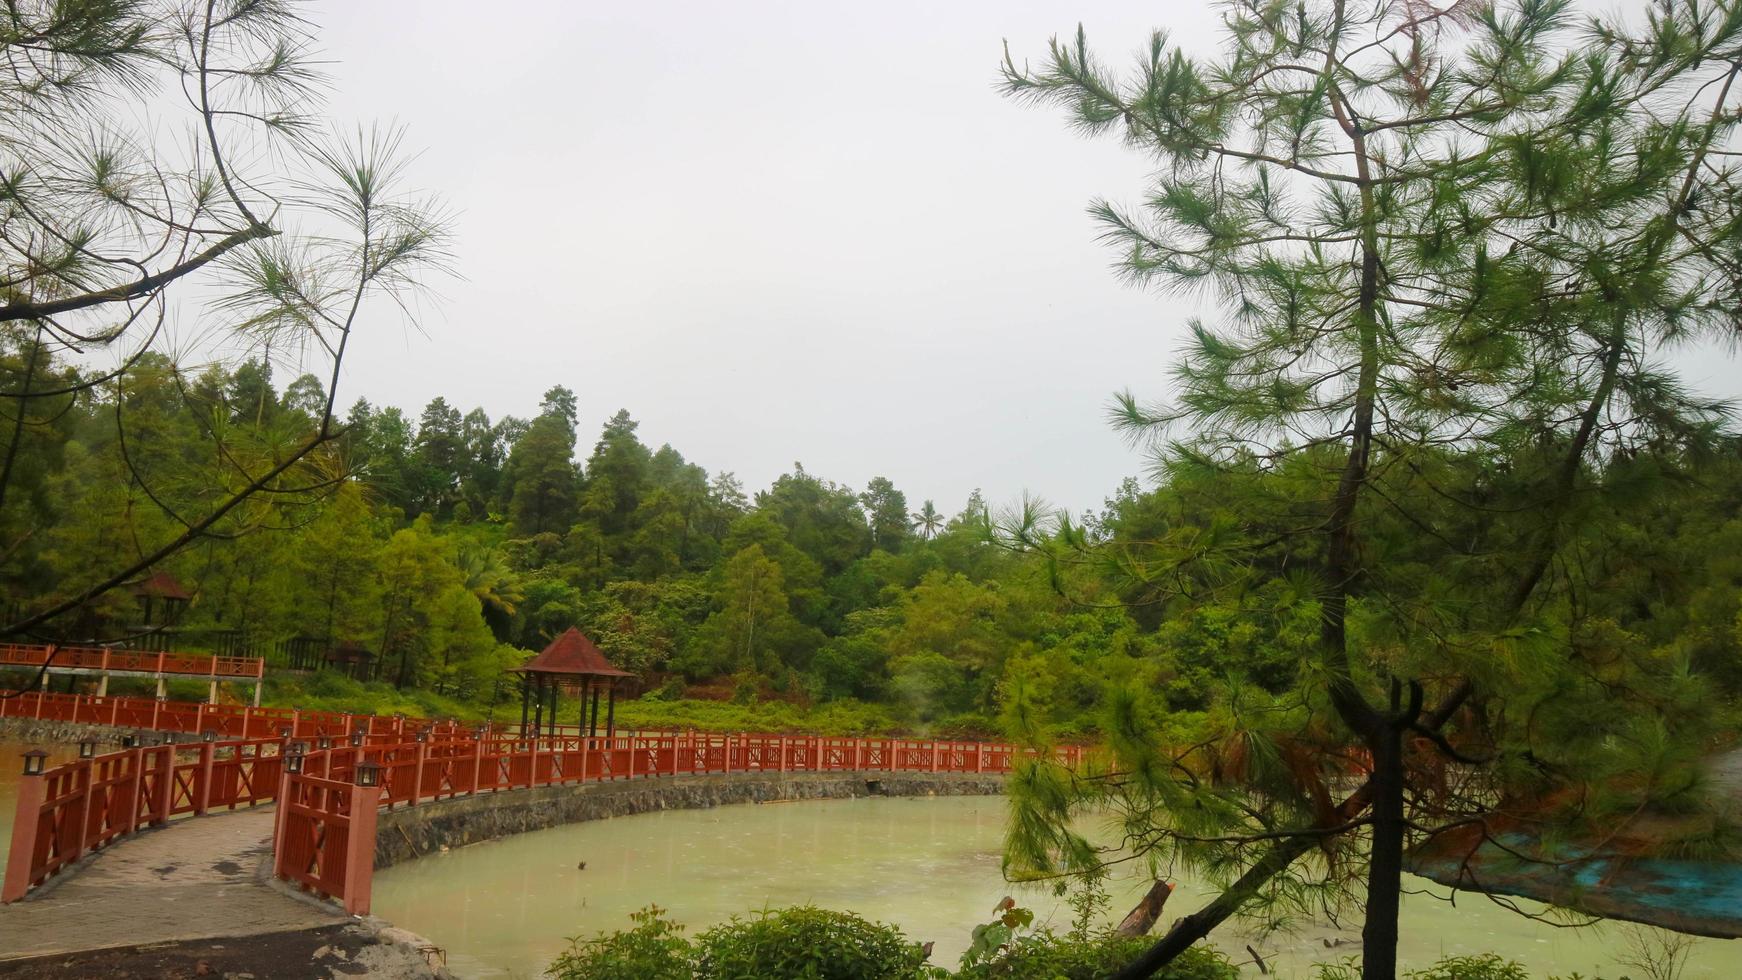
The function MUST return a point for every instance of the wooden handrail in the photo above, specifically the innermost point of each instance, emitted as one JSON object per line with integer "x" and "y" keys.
{"x": 84, "y": 805}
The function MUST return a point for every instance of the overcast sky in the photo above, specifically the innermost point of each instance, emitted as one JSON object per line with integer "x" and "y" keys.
{"x": 773, "y": 232}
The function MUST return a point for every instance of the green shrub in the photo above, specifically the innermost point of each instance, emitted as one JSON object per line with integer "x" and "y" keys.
{"x": 652, "y": 950}
{"x": 1486, "y": 966}
{"x": 1088, "y": 958}
{"x": 808, "y": 942}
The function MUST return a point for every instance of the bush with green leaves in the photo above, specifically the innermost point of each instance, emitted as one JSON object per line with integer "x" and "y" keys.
{"x": 1483, "y": 966}
{"x": 651, "y": 950}
{"x": 809, "y": 942}
{"x": 1072, "y": 957}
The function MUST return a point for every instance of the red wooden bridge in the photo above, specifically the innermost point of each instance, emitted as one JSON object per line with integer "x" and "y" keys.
{"x": 330, "y": 773}
{"x": 104, "y": 662}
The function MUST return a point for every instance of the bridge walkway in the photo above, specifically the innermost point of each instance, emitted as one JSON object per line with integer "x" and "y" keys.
{"x": 188, "y": 880}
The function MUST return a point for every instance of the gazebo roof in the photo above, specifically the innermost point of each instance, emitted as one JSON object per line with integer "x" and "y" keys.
{"x": 160, "y": 585}
{"x": 572, "y": 653}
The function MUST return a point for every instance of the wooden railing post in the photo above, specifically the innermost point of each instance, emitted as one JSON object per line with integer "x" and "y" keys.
{"x": 417, "y": 773}
{"x": 136, "y": 774}
{"x": 360, "y": 848}
{"x": 32, "y": 792}
{"x": 203, "y": 788}
{"x": 165, "y": 784}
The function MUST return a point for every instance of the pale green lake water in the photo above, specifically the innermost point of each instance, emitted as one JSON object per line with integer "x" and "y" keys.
{"x": 930, "y": 866}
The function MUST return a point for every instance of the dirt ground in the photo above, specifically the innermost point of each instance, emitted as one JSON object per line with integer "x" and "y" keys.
{"x": 337, "y": 951}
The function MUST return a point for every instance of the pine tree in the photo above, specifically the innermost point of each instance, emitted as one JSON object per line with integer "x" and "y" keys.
{"x": 1447, "y": 244}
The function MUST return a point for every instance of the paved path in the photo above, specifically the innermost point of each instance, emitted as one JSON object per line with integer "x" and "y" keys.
{"x": 194, "y": 879}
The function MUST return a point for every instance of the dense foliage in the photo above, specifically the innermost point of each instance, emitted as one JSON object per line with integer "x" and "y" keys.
{"x": 1410, "y": 446}
{"x": 807, "y": 942}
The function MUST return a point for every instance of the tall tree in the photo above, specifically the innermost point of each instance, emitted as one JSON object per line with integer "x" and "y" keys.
{"x": 286, "y": 236}
{"x": 886, "y": 511}
{"x": 541, "y": 469}
{"x": 1435, "y": 233}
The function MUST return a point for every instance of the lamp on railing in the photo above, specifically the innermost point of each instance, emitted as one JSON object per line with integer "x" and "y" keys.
{"x": 34, "y": 761}
{"x": 368, "y": 774}
{"x": 283, "y": 731}
{"x": 297, "y": 748}
{"x": 324, "y": 743}
{"x": 87, "y": 750}
{"x": 208, "y": 736}
{"x": 477, "y": 734}
{"x": 293, "y": 763}
{"x": 129, "y": 741}
{"x": 357, "y": 739}
{"x": 422, "y": 735}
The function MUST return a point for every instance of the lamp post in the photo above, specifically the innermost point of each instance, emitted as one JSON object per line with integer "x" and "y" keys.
{"x": 87, "y": 750}
{"x": 368, "y": 774}
{"x": 34, "y": 762}
{"x": 357, "y": 739}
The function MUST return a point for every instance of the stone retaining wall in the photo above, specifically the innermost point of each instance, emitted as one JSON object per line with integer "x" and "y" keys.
{"x": 47, "y": 730}
{"x": 411, "y": 832}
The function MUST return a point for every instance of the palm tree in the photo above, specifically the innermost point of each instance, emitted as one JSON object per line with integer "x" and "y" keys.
{"x": 927, "y": 521}
{"x": 495, "y": 585}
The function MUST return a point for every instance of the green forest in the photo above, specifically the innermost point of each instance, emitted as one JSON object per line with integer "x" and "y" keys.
{"x": 454, "y": 546}
{"x": 1433, "y": 552}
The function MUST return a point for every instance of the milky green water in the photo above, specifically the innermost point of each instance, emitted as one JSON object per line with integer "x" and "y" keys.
{"x": 930, "y": 866}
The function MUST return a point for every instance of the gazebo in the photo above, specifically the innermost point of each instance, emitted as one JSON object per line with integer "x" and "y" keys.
{"x": 574, "y": 662}
{"x": 162, "y": 591}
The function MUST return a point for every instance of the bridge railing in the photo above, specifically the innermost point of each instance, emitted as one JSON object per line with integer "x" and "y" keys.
{"x": 227, "y": 721}
{"x": 191, "y": 665}
{"x": 86, "y": 804}
{"x": 309, "y": 759}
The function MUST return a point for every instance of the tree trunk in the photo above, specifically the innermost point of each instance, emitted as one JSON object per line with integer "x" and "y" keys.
{"x": 1271, "y": 863}
{"x": 1385, "y": 865}
{"x": 1141, "y": 919}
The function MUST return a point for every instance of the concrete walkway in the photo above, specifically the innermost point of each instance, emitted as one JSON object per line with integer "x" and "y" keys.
{"x": 193, "y": 879}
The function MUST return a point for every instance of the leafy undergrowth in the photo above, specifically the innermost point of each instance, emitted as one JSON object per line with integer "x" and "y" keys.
{"x": 329, "y": 691}
{"x": 805, "y": 941}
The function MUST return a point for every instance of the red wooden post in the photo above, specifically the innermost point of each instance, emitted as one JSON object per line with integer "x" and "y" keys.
{"x": 858, "y": 754}
{"x": 165, "y": 783}
{"x": 360, "y": 848}
{"x": 477, "y": 763}
{"x": 979, "y": 756}
{"x": 84, "y": 781}
{"x": 783, "y": 753}
{"x": 934, "y": 755}
{"x": 417, "y": 773}
{"x": 156, "y": 705}
{"x": 32, "y": 791}
{"x": 281, "y": 819}
{"x": 203, "y": 788}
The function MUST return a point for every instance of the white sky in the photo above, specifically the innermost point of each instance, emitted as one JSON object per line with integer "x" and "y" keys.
{"x": 773, "y": 232}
